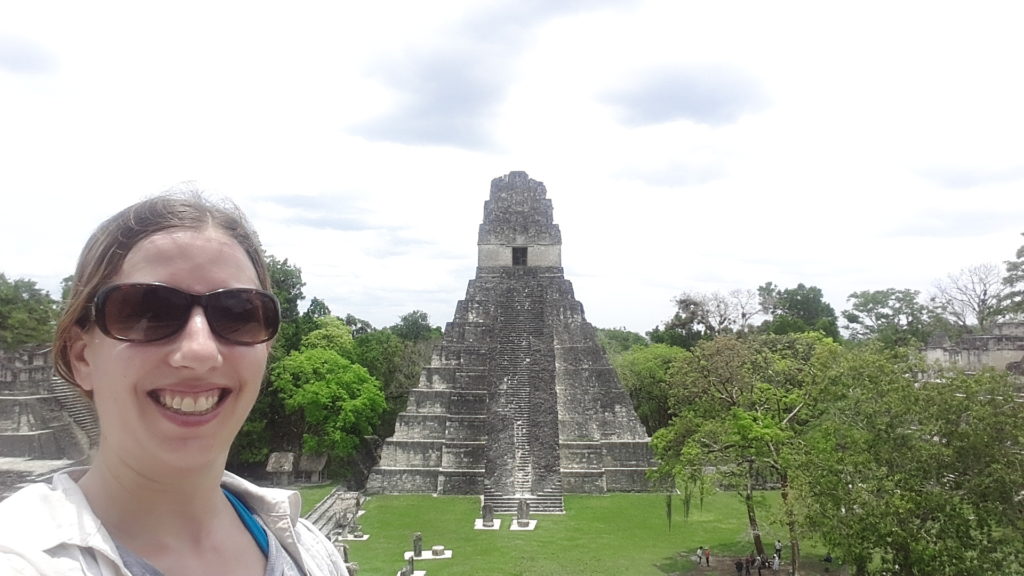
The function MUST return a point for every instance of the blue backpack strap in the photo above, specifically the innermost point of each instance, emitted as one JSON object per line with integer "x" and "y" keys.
{"x": 254, "y": 528}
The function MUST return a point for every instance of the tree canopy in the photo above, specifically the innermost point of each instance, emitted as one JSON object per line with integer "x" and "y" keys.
{"x": 895, "y": 473}
{"x": 900, "y": 476}
{"x": 739, "y": 406}
{"x": 799, "y": 309}
{"x": 974, "y": 299}
{"x": 895, "y": 317}
{"x": 644, "y": 373}
{"x": 615, "y": 341}
{"x": 330, "y": 334}
{"x": 336, "y": 402}
{"x": 27, "y": 313}
{"x": 396, "y": 356}
{"x": 1014, "y": 282}
{"x": 414, "y": 327}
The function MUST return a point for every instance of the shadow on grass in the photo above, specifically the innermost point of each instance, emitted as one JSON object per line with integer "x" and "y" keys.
{"x": 675, "y": 564}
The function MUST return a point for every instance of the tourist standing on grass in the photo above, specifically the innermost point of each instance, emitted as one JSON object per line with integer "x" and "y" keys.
{"x": 778, "y": 548}
{"x": 167, "y": 332}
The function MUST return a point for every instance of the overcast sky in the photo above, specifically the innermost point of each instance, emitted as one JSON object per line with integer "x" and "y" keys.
{"x": 686, "y": 146}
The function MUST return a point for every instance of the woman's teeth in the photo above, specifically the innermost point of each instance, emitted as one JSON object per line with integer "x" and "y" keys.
{"x": 189, "y": 404}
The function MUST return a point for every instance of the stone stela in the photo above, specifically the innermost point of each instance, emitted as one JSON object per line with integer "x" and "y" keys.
{"x": 437, "y": 552}
{"x": 487, "y": 521}
{"x": 519, "y": 401}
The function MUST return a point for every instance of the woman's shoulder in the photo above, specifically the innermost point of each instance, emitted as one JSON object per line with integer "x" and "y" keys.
{"x": 318, "y": 550}
{"x": 34, "y": 521}
{"x": 30, "y": 513}
{"x": 43, "y": 515}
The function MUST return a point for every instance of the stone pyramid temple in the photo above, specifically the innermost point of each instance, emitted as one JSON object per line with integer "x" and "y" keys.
{"x": 519, "y": 401}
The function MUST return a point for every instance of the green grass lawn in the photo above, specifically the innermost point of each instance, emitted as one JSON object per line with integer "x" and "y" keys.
{"x": 312, "y": 495}
{"x": 616, "y": 534}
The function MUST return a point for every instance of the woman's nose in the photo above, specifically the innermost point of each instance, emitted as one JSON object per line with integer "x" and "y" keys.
{"x": 196, "y": 346}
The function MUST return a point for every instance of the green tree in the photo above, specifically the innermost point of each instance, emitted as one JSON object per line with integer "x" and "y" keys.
{"x": 358, "y": 325}
{"x": 65, "y": 287}
{"x": 644, "y": 373}
{"x": 905, "y": 477}
{"x": 330, "y": 334}
{"x": 317, "y": 309}
{"x": 799, "y": 309}
{"x": 897, "y": 318}
{"x": 27, "y": 313}
{"x": 701, "y": 316}
{"x": 414, "y": 327}
{"x": 379, "y": 352}
{"x": 741, "y": 406}
{"x": 1014, "y": 282}
{"x": 676, "y": 332}
{"x": 397, "y": 364}
{"x": 270, "y": 426}
{"x": 286, "y": 283}
{"x": 688, "y": 326}
{"x": 615, "y": 341}
{"x": 335, "y": 401}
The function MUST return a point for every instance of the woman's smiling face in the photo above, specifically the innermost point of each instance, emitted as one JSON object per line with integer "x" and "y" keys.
{"x": 176, "y": 403}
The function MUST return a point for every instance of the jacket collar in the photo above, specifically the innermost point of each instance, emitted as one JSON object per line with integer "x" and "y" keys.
{"x": 54, "y": 514}
{"x": 58, "y": 513}
{"x": 278, "y": 508}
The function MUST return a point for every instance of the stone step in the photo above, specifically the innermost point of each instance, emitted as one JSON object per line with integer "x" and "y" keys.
{"x": 76, "y": 407}
{"x": 553, "y": 504}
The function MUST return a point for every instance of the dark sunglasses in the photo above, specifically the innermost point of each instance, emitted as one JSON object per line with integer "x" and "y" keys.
{"x": 147, "y": 312}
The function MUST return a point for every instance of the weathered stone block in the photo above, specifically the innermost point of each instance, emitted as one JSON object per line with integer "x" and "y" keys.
{"x": 420, "y": 426}
{"x": 428, "y": 401}
{"x": 41, "y": 444}
{"x": 582, "y": 455}
{"x": 466, "y": 428}
{"x": 583, "y": 481}
{"x": 461, "y": 482}
{"x": 470, "y": 401}
{"x": 626, "y": 480}
{"x": 437, "y": 377}
{"x": 462, "y": 455}
{"x": 478, "y": 380}
{"x": 626, "y": 454}
{"x": 412, "y": 453}
{"x": 406, "y": 480}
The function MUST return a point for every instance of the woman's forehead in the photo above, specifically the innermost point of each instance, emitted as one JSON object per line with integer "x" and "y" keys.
{"x": 185, "y": 257}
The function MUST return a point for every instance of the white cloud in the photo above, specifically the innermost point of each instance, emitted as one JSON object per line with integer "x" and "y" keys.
{"x": 852, "y": 147}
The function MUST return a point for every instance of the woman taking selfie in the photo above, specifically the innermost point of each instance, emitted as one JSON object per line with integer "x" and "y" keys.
{"x": 167, "y": 331}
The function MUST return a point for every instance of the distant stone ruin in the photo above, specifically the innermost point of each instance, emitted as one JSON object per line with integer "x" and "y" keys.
{"x": 1002, "y": 349}
{"x": 42, "y": 417}
{"x": 519, "y": 401}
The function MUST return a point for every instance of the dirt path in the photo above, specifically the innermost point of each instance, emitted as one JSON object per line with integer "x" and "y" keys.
{"x": 726, "y": 566}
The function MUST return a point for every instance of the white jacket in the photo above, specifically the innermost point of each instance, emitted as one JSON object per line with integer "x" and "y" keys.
{"x": 50, "y": 530}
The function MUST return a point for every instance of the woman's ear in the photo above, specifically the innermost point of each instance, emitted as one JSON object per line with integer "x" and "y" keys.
{"x": 79, "y": 357}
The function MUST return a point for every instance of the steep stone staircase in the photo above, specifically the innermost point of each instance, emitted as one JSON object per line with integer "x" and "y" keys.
{"x": 520, "y": 321}
{"x": 77, "y": 407}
